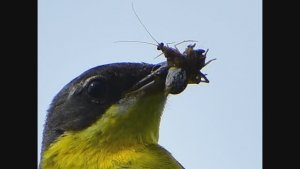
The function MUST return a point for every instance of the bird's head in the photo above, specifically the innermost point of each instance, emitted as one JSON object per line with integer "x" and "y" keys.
{"x": 112, "y": 105}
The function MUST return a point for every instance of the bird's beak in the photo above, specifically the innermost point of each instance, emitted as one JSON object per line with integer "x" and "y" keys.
{"x": 154, "y": 82}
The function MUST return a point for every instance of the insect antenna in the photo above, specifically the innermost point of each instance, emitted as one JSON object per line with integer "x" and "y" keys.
{"x": 143, "y": 24}
{"x": 135, "y": 41}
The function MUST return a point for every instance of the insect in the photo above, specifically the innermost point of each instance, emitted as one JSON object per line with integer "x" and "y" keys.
{"x": 183, "y": 68}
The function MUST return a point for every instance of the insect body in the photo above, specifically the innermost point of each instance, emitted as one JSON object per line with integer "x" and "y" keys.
{"x": 184, "y": 68}
{"x": 174, "y": 57}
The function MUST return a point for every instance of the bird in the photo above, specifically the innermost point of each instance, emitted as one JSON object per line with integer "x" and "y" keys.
{"x": 108, "y": 118}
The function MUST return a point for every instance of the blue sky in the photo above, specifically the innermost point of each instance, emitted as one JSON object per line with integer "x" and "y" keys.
{"x": 211, "y": 126}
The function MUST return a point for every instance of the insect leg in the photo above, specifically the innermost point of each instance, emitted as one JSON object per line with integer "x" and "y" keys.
{"x": 204, "y": 77}
{"x": 158, "y": 55}
{"x": 209, "y": 62}
{"x": 184, "y": 42}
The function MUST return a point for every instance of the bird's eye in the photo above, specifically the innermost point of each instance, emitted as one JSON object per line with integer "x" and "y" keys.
{"x": 97, "y": 88}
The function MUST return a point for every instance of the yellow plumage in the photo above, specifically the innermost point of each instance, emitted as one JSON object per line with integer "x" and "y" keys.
{"x": 126, "y": 136}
